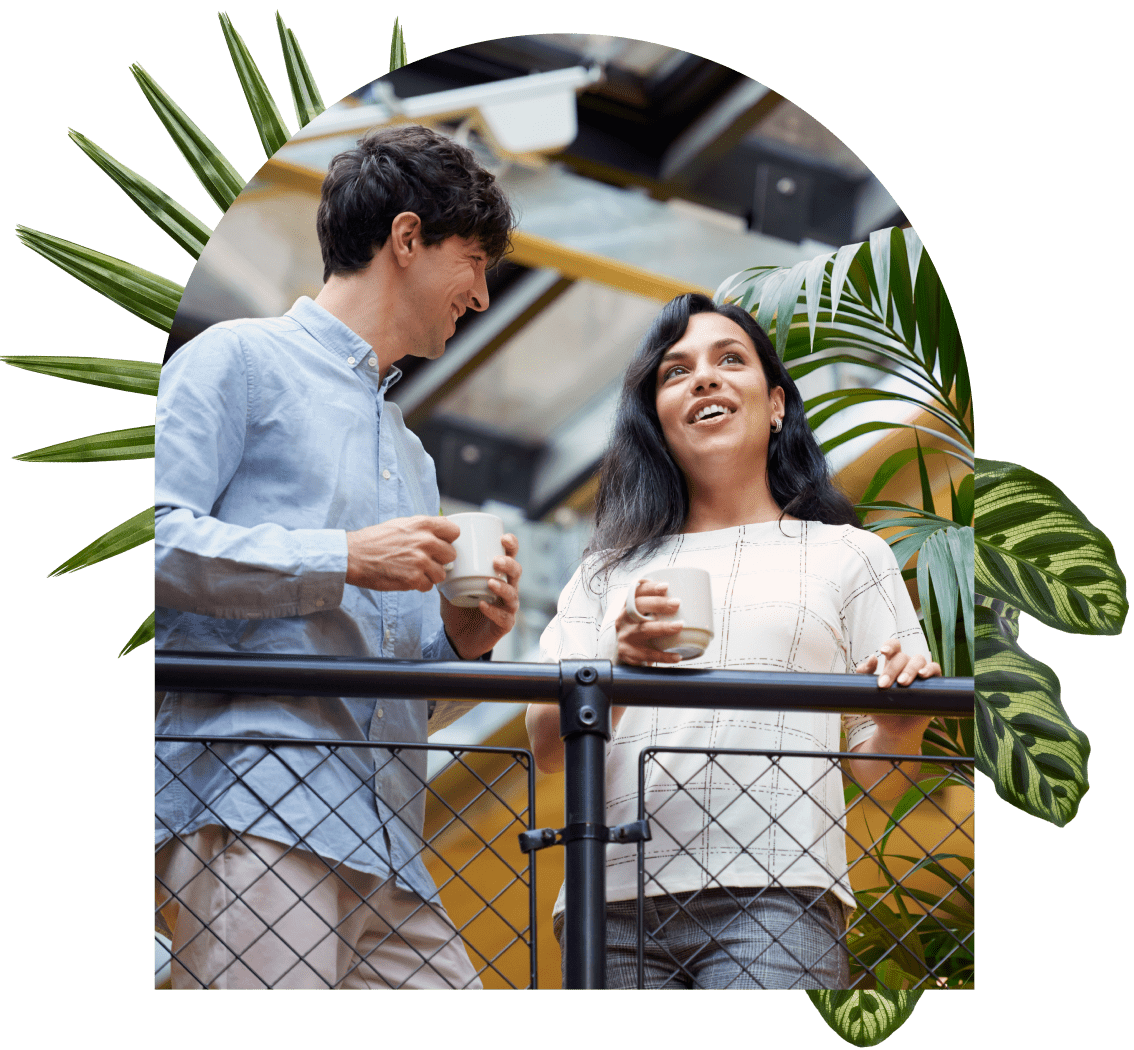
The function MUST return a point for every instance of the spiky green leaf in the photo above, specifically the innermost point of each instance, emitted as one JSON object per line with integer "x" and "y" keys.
{"x": 136, "y": 377}
{"x": 130, "y": 533}
{"x": 145, "y": 294}
{"x": 397, "y": 48}
{"x": 217, "y": 175}
{"x": 1025, "y": 742}
{"x": 184, "y": 227}
{"x": 1037, "y": 552}
{"x": 136, "y": 443}
{"x": 142, "y": 635}
{"x": 265, "y": 115}
{"x": 304, "y": 92}
{"x": 865, "y": 1018}
{"x": 945, "y": 575}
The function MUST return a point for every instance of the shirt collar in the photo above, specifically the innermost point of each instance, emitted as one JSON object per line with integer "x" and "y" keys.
{"x": 337, "y": 338}
{"x": 329, "y": 331}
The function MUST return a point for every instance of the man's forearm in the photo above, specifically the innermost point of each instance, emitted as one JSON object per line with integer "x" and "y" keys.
{"x": 213, "y": 568}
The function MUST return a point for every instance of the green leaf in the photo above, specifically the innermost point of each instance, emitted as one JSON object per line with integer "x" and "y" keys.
{"x": 145, "y": 294}
{"x": 137, "y": 443}
{"x": 813, "y": 282}
{"x": 964, "y": 500}
{"x": 131, "y": 533}
{"x": 901, "y": 284}
{"x": 304, "y": 93}
{"x": 185, "y": 228}
{"x": 269, "y": 124}
{"x": 945, "y": 575}
{"x": 865, "y": 1018}
{"x": 843, "y": 259}
{"x": 397, "y": 48}
{"x": 142, "y": 635}
{"x": 923, "y": 475}
{"x": 217, "y": 175}
{"x": 1025, "y": 742}
{"x": 136, "y": 377}
{"x": 1037, "y": 552}
{"x": 786, "y": 303}
{"x": 885, "y": 473}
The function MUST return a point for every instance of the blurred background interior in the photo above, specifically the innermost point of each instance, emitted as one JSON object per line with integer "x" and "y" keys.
{"x": 638, "y": 172}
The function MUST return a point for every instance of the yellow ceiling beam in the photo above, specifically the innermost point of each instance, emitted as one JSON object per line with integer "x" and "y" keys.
{"x": 528, "y": 249}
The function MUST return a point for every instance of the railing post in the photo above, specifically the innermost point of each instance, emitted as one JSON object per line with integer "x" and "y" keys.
{"x": 584, "y": 725}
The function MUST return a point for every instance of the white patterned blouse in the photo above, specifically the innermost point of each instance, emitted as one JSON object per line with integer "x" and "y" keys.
{"x": 790, "y": 596}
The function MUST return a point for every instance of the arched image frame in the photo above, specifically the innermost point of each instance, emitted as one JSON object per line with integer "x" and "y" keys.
{"x": 25, "y": 442}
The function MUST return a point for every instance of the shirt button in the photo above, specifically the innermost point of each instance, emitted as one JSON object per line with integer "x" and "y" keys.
{"x": 373, "y": 362}
{"x": 319, "y": 601}
{"x": 350, "y": 360}
{"x": 386, "y": 474}
{"x": 379, "y": 712}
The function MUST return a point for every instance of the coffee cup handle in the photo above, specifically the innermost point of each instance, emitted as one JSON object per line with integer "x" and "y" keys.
{"x": 632, "y": 612}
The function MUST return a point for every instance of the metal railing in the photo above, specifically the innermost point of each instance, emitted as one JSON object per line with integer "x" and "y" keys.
{"x": 585, "y": 691}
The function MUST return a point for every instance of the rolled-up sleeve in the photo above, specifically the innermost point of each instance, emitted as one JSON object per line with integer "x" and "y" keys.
{"x": 219, "y": 568}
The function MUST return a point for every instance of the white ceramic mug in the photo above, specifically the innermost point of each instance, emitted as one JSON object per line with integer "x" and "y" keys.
{"x": 467, "y": 576}
{"x": 689, "y": 585}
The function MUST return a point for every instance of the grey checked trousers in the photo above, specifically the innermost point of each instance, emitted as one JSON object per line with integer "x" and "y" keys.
{"x": 729, "y": 938}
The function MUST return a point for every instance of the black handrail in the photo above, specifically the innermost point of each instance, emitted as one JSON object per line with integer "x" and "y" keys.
{"x": 585, "y": 690}
{"x": 263, "y": 674}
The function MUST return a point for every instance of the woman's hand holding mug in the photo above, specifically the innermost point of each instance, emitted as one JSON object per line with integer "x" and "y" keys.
{"x": 635, "y": 632}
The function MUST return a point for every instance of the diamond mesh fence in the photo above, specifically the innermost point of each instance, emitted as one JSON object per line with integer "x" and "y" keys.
{"x": 257, "y": 903}
{"x": 781, "y": 869}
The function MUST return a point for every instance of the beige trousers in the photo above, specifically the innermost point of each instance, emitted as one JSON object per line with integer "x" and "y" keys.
{"x": 247, "y": 912}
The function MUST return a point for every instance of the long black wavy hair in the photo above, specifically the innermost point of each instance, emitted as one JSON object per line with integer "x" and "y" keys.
{"x": 642, "y": 495}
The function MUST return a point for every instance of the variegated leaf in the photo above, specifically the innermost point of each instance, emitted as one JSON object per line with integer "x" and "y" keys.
{"x": 1037, "y": 551}
{"x": 862, "y": 1017}
{"x": 1025, "y": 742}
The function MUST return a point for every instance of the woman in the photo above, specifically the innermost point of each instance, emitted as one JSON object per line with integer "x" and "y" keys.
{"x": 712, "y": 463}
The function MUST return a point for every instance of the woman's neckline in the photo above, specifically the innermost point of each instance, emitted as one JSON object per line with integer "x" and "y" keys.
{"x": 785, "y": 520}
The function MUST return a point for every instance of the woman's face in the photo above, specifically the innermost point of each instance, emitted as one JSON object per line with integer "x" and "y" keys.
{"x": 713, "y": 400}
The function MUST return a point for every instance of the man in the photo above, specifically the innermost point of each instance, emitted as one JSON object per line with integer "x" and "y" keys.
{"x": 297, "y": 514}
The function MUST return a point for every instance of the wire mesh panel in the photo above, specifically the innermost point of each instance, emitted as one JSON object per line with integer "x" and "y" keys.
{"x": 298, "y": 891}
{"x": 777, "y": 869}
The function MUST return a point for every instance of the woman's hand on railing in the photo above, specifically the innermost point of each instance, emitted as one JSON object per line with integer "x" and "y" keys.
{"x": 893, "y": 734}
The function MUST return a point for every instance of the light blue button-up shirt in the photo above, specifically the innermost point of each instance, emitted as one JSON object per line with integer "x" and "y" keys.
{"x": 273, "y": 440}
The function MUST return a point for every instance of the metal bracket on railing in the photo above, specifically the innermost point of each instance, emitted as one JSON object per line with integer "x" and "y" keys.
{"x": 638, "y": 831}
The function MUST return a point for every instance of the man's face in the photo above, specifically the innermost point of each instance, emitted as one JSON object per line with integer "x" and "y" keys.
{"x": 445, "y": 280}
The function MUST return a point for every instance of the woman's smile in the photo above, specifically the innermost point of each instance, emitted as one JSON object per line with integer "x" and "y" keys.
{"x": 712, "y": 396}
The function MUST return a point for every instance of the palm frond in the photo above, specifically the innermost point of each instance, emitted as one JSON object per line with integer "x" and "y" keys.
{"x": 144, "y": 294}
{"x": 137, "y": 443}
{"x": 184, "y": 227}
{"x": 216, "y": 174}
{"x": 123, "y": 537}
{"x": 265, "y": 115}
{"x": 304, "y": 92}
{"x": 137, "y": 377}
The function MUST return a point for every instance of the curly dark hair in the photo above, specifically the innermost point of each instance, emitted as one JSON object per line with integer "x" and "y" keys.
{"x": 407, "y": 168}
